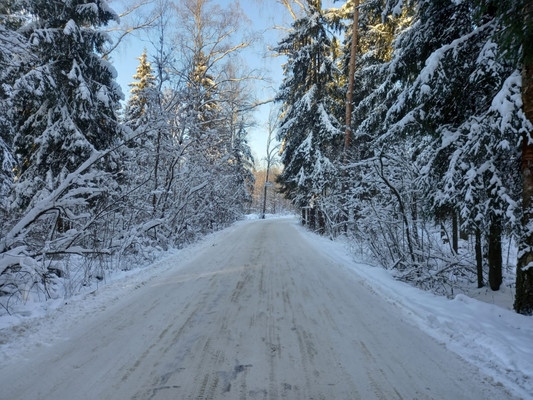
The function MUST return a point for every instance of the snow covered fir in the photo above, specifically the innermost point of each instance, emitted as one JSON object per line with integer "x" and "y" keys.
{"x": 399, "y": 142}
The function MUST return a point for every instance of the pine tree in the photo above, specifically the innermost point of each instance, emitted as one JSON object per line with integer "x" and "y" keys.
{"x": 145, "y": 114}
{"x": 454, "y": 75}
{"x": 12, "y": 47}
{"x": 63, "y": 105}
{"x": 188, "y": 164}
{"x": 373, "y": 92}
{"x": 309, "y": 130}
{"x": 210, "y": 123}
{"x": 62, "y": 101}
{"x": 428, "y": 129}
{"x": 141, "y": 92}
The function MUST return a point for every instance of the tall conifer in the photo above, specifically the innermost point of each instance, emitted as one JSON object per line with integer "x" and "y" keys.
{"x": 141, "y": 91}
{"x": 310, "y": 133}
{"x": 63, "y": 105}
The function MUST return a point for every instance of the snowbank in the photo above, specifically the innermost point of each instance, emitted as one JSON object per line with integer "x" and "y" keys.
{"x": 494, "y": 338}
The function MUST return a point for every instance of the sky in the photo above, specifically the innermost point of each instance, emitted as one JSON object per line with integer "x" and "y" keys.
{"x": 264, "y": 16}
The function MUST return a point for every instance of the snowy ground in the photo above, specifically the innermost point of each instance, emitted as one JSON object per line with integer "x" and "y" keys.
{"x": 481, "y": 328}
{"x": 243, "y": 318}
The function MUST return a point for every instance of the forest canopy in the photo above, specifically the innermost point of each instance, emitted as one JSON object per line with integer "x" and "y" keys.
{"x": 404, "y": 126}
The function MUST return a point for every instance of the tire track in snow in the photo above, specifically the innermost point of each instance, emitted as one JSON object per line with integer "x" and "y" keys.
{"x": 260, "y": 315}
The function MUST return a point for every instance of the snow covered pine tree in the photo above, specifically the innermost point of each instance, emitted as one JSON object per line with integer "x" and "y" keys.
{"x": 63, "y": 104}
{"x": 310, "y": 133}
{"x": 62, "y": 110}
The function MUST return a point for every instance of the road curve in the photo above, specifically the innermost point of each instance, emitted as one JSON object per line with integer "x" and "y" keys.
{"x": 258, "y": 315}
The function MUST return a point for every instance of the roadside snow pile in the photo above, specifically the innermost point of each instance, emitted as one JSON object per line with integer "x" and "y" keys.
{"x": 494, "y": 338}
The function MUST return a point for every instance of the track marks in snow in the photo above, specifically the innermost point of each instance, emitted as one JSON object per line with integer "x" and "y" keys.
{"x": 263, "y": 316}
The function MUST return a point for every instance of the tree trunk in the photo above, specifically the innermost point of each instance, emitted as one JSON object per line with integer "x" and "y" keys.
{"x": 463, "y": 233}
{"x": 156, "y": 172}
{"x": 351, "y": 78}
{"x": 495, "y": 253}
{"x": 479, "y": 259}
{"x": 349, "y": 108}
{"x": 455, "y": 232}
{"x": 321, "y": 222}
{"x": 402, "y": 210}
{"x": 264, "y": 201}
{"x": 524, "y": 268}
{"x": 265, "y": 190}
{"x": 443, "y": 233}
{"x": 414, "y": 219}
{"x": 312, "y": 218}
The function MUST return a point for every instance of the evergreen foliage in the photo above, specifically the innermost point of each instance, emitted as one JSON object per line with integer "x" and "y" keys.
{"x": 64, "y": 100}
{"x": 12, "y": 47}
{"x": 308, "y": 129}
{"x": 61, "y": 100}
{"x": 90, "y": 191}
{"x": 437, "y": 125}
{"x": 439, "y": 142}
{"x": 188, "y": 163}
{"x": 141, "y": 90}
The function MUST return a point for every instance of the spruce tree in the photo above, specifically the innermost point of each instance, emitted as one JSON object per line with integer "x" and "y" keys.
{"x": 448, "y": 67}
{"x": 309, "y": 130}
{"x": 142, "y": 92}
{"x": 144, "y": 114}
{"x": 63, "y": 105}
{"x": 12, "y": 48}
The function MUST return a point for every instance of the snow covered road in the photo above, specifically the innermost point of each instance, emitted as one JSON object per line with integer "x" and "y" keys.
{"x": 260, "y": 314}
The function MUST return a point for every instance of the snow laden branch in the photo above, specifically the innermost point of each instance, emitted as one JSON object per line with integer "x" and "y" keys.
{"x": 62, "y": 197}
{"x": 398, "y": 196}
{"x": 71, "y": 219}
{"x": 131, "y": 23}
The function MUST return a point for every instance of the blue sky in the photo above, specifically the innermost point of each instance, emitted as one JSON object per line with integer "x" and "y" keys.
{"x": 263, "y": 16}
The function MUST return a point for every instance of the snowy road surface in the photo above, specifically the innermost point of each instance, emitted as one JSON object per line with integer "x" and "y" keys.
{"x": 258, "y": 315}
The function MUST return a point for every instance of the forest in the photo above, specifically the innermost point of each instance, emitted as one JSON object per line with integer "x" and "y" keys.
{"x": 90, "y": 183}
{"x": 404, "y": 127}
